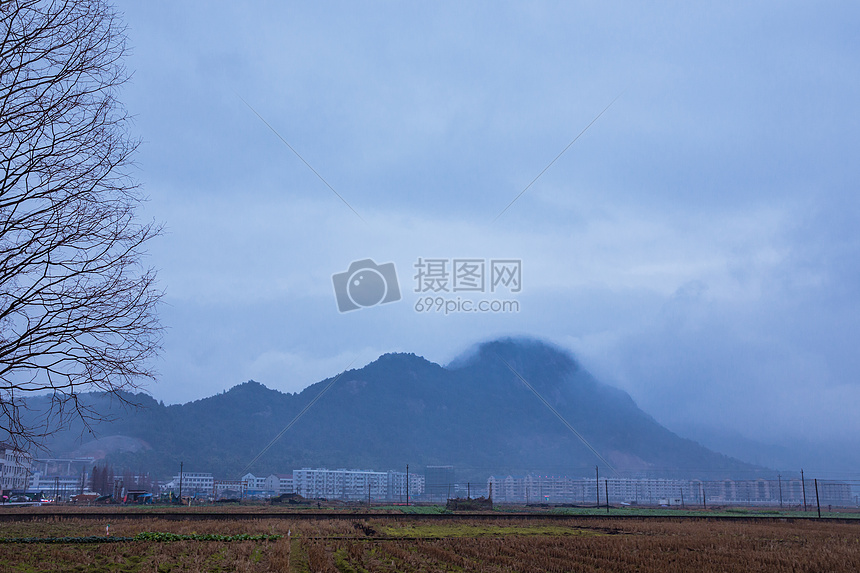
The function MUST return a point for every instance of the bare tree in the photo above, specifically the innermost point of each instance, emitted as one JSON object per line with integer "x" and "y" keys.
{"x": 77, "y": 305}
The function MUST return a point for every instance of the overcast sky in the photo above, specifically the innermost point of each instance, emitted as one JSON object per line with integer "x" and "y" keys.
{"x": 697, "y": 246}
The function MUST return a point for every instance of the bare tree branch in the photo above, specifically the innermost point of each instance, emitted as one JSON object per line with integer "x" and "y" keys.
{"x": 77, "y": 305}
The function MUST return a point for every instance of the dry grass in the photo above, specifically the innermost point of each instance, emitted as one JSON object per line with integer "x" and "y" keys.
{"x": 385, "y": 544}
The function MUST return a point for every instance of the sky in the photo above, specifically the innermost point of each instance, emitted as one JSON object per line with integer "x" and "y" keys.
{"x": 697, "y": 245}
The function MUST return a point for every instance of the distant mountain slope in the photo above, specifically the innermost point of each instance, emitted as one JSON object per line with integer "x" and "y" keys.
{"x": 476, "y": 414}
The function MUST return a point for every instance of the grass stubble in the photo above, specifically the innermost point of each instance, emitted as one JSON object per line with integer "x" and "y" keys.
{"x": 395, "y": 545}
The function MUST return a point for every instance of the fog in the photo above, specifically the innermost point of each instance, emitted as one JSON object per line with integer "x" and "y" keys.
{"x": 697, "y": 246}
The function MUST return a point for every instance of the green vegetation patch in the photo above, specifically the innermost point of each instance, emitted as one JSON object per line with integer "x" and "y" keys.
{"x": 468, "y": 530}
{"x": 717, "y": 512}
{"x": 417, "y": 509}
{"x": 343, "y": 563}
{"x": 144, "y": 536}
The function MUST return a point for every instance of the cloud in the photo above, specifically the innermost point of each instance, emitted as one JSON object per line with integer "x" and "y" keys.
{"x": 697, "y": 246}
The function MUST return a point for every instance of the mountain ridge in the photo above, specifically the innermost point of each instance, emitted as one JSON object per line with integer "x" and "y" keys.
{"x": 482, "y": 413}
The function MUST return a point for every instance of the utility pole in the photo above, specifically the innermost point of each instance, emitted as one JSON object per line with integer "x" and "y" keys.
{"x": 779, "y": 476}
{"x": 704, "y": 501}
{"x": 597, "y": 484}
{"x": 606, "y": 484}
{"x": 681, "y": 489}
{"x": 468, "y": 490}
{"x": 803, "y": 485}
{"x": 180, "y": 482}
{"x": 407, "y": 484}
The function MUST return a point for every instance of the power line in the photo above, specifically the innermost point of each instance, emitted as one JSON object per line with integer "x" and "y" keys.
{"x": 309, "y": 166}
{"x": 298, "y": 416}
{"x": 559, "y": 416}
{"x": 557, "y": 157}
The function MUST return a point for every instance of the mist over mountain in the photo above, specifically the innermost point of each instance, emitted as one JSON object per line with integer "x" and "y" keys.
{"x": 477, "y": 414}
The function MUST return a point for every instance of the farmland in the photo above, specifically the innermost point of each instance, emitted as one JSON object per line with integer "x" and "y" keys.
{"x": 421, "y": 543}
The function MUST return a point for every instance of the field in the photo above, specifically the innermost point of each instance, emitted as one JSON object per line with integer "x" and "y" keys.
{"x": 422, "y": 543}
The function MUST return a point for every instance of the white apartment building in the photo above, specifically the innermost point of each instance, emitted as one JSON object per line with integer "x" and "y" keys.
{"x": 284, "y": 483}
{"x": 15, "y": 467}
{"x": 355, "y": 484}
{"x": 397, "y": 485}
{"x": 192, "y": 483}
{"x": 534, "y": 488}
{"x": 552, "y": 489}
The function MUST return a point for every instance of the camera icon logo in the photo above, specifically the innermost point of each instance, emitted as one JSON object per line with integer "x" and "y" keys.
{"x": 365, "y": 284}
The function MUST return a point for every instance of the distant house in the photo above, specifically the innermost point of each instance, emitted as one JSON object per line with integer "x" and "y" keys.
{"x": 86, "y": 497}
{"x": 270, "y": 486}
{"x": 227, "y": 488}
{"x": 254, "y": 483}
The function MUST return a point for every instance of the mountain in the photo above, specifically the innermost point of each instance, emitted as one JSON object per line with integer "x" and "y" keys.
{"x": 507, "y": 406}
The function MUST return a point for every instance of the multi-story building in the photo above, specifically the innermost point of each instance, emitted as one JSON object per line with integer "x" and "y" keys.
{"x": 192, "y": 483}
{"x": 340, "y": 484}
{"x": 15, "y": 467}
{"x": 273, "y": 484}
{"x": 534, "y": 488}
{"x": 355, "y": 484}
{"x": 397, "y": 489}
{"x": 284, "y": 483}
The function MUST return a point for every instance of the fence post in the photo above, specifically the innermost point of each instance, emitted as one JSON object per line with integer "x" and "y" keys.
{"x": 817, "y": 501}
